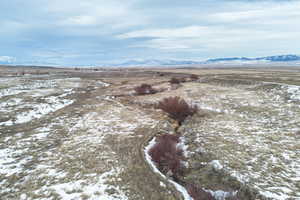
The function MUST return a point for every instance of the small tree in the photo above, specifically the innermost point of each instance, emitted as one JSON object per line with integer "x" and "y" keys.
{"x": 144, "y": 89}
{"x": 177, "y": 108}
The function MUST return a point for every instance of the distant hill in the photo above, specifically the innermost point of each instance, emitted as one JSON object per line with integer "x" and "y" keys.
{"x": 232, "y": 60}
{"x": 280, "y": 58}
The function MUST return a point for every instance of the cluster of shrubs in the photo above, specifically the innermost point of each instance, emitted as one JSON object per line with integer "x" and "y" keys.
{"x": 167, "y": 155}
{"x": 192, "y": 77}
{"x": 177, "y": 108}
{"x": 175, "y": 81}
{"x": 145, "y": 89}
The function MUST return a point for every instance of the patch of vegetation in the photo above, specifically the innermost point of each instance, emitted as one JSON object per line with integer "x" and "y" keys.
{"x": 197, "y": 193}
{"x": 175, "y": 81}
{"x": 194, "y": 77}
{"x": 145, "y": 89}
{"x": 177, "y": 108}
{"x": 167, "y": 155}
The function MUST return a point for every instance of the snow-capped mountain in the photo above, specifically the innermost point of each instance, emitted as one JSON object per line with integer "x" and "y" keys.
{"x": 231, "y": 60}
{"x": 154, "y": 62}
{"x": 280, "y": 58}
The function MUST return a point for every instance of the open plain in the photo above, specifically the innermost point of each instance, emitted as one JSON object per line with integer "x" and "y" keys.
{"x": 82, "y": 133}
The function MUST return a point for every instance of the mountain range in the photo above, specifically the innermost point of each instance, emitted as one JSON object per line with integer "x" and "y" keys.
{"x": 231, "y": 60}
{"x": 288, "y": 59}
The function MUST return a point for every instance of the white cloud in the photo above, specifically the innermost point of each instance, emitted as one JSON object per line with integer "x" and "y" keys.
{"x": 81, "y": 20}
{"x": 7, "y": 59}
{"x": 111, "y": 14}
{"x": 260, "y": 13}
{"x": 138, "y": 27}
{"x": 190, "y": 31}
{"x": 209, "y": 38}
{"x": 245, "y": 26}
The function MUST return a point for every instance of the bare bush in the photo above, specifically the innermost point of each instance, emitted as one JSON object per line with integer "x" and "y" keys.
{"x": 177, "y": 108}
{"x": 174, "y": 80}
{"x": 167, "y": 155}
{"x": 198, "y": 193}
{"x": 182, "y": 80}
{"x": 144, "y": 89}
{"x": 194, "y": 77}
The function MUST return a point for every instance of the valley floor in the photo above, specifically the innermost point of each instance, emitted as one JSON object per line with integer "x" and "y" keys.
{"x": 81, "y": 135}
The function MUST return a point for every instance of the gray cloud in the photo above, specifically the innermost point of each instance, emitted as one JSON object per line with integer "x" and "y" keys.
{"x": 97, "y": 31}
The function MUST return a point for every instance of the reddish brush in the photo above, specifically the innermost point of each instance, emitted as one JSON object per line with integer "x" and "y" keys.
{"x": 174, "y": 81}
{"x": 177, "y": 108}
{"x": 167, "y": 155}
{"x": 198, "y": 193}
{"x": 183, "y": 80}
{"x": 144, "y": 89}
{"x": 194, "y": 77}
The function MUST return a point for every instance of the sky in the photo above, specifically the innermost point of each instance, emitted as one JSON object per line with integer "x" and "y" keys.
{"x": 97, "y": 32}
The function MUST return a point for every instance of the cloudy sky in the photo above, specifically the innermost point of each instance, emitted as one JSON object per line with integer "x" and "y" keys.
{"x": 93, "y": 32}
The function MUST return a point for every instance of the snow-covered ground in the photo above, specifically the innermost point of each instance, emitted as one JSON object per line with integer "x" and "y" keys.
{"x": 30, "y": 158}
{"x": 68, "y": 156}
{"x": 253, "y": 134}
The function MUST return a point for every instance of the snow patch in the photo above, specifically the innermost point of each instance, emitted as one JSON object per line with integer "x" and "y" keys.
{"x": 94, "y": 191}
{"x": 216, "y": 165}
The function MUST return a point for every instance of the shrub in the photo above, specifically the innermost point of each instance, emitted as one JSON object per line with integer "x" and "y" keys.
{"x": 177, "y": 108}
{"x": 198, "y": 193}
{"x": 167, "y": 155}
{"x": 174, "y": 81}
{"x": 144, "y": 89}
{"x": 182, "y": 80}
{"x": 194, "y": 77}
